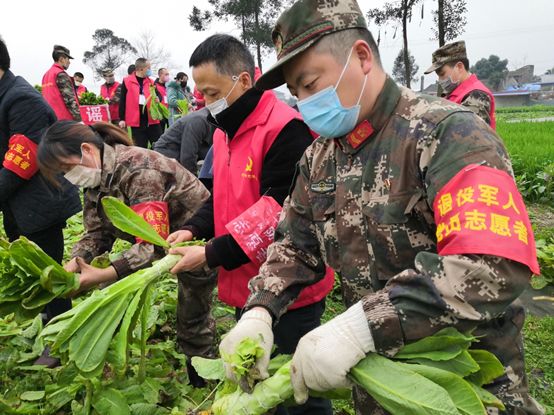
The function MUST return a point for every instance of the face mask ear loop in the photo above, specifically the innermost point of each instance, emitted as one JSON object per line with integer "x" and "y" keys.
{"x": 362, "y": 91}
{"x": 344, "y": 69}
{"x": 236, "y": 79}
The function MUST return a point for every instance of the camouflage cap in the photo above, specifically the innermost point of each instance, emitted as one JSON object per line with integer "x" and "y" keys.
{"x": 107, "y": 71}
{"x": 64, "y": 50}
{"x": 448, "y": 53}
{"x": 303, "y": 24}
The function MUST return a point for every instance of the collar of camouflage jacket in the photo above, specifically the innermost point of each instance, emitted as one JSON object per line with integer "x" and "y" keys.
{"x": 382, "y": 111}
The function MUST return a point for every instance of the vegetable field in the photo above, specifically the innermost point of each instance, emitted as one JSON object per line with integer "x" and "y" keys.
{"x": 127, "y": 361}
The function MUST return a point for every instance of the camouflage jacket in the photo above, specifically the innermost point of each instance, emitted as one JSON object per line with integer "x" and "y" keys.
{"x": 480, "y": 103}
{"x": 67, "y": 89}
{"x": 367, "y": 213}
{"x": 136, "y": 175}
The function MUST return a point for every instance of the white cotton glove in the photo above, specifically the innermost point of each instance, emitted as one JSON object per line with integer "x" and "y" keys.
{"x": 325, "y": 355}
{"x": 256, "y": 324}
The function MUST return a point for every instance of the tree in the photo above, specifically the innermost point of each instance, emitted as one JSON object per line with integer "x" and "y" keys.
{"x": 399, "y": 11}
{"x": 492, "y": 69}
{"x": 399, "y": 71}
{"x": 449, "y": 19}
{"x": 109, "y": 51}
{"x": 148, "y": 48}
{"x": 255, "y": 18}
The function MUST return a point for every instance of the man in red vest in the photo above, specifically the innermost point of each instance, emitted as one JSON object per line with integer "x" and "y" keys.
{"x": 256, "y": 146}
{"x": 134, "y": 105}
{"x": 58, "y": 88}
{"x": 78, "y": 79}
{"x": 161, "y": 82}
{"x": 111, "y": 90}
{"x": 458, "y": 85}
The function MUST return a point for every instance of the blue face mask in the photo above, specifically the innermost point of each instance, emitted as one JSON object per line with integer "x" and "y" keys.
{"x": 149, "y": 72}
{"x": 324, "y": 113}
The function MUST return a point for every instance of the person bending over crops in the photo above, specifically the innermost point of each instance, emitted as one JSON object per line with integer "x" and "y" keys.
{"x": 410, "y": 198}
{"x": 101, "y": 160}
{"x": 256, "y": 146}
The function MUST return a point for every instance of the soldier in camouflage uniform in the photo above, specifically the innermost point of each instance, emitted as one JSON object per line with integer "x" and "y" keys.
{"x": 101, "y": 160}
{"x": 58, "y": 88}
{"x": 458, "y": 85}
{"x": 409, "y": 198}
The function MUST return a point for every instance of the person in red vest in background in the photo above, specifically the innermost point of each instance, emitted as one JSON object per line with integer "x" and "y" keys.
{"x": 198, "y": 99}
{"x": 134, "y": 105}
{"x": 458, "y": 85}
{"x": 111, "y": 91}
{"x": 78, "y": 79}
{"x": 161, "y": 82}
{"x": 58, "y": 88}
{"x": 256, "y": 147}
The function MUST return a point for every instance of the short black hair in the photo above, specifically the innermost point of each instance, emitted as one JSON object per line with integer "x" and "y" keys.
{"x": 229, "y": 55}
{"x": 338, "y": 43}
{"x": 79, "y": 74}
{"x": 180, "y": 75}
{"x": 131, "y": 69}
{"x": 465, "y": 62}
{"x": 160, "y": 71}
{"x": 4, "y": 56}
{"x": 140, "y": 63}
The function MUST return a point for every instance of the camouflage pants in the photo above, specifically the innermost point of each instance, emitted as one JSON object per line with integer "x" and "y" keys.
{"x": 195, "y": 324}
{"x": 503, "y": 338}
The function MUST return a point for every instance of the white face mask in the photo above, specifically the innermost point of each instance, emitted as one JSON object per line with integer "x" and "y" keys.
{"x": 84, "y": 176}
{"x": 221, "y": 104}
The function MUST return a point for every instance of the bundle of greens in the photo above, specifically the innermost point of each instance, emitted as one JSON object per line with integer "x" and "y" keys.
{"x": 439, "y": 374}
{"x": 158, "y": 111}
{"x": 106, "y": 320}
{"x": 90, "y": 98}
{"x": 30, "y": 279}
{"x": 182, "y": 107}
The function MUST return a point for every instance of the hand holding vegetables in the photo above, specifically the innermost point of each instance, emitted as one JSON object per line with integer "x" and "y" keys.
{"x": 325, "y": 355}
{"x": 254, "y": 324}
{"x": 179, "y": 236}
{"x": 193, "y": 258}
{"x": 91, "y": 276}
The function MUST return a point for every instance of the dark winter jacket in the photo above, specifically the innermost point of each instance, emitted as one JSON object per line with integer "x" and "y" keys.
{"x": 187, "y": 140}
{"x": 34, "y": 203}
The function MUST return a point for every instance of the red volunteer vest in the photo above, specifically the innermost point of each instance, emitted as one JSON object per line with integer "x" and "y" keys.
{"x": 472, "y": 84}
{"x": 132, "y": 116}
{"x": 81, "y": 89}
{"x": 163, "y": 92}
{"x": 237, "y": 167}
{"x": 108, "y": 93}
{"x": 52, "y": 94}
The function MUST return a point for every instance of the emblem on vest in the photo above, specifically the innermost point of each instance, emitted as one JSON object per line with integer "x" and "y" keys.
{"x": 247, "y": 173}
{"x": 323, "y": 186}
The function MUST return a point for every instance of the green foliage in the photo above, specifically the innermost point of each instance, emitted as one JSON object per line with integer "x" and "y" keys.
{"x": 449, "y": 20}
{"x": 127, "y": 220}
{"x": 158, "y": 111}
{"x": 545, "y": 255}
{"x": 399, "y": 70}
{"x": 531, "y": 148}
{"x": 38, "y": 88}
{"x": 30, "y": 279}
{"x": 90, "y": 98}
{"x": 492, "y": 69}
{"x": 109, "y": 51}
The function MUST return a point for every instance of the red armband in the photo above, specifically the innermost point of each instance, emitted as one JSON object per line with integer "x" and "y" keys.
{"x": 480, "y": 211}
{"x": 254, "y": 229}
{"x": 156, "y": 214}
{"x": 21, "y": 157}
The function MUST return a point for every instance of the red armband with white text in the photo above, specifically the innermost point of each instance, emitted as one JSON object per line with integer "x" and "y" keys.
{"x": 157, "y": 216}
{"x": 480, "y": 211}
{"x": 21, "y": 157}
{"x": 254, "y": 229}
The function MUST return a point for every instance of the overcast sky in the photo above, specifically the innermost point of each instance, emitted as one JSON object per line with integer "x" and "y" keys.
{"x": 521, "y": 31}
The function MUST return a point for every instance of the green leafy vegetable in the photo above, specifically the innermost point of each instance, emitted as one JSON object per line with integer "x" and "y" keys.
{"x": 30, "y": 279}
{"x": 127, "y": 220}
{"x": 90, "y": 98}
